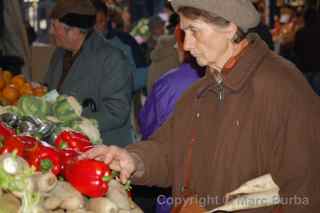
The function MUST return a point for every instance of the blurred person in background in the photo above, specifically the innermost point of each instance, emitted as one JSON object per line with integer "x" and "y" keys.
{"x": 102, "y": 19}
{"x": 288, "y": 21}
{"x": 87, "y": 67}
{"x": 156, "y": 27}
{"x": 32, "y": 36}
{"x": 14, "y": 39}
{"x": 163, "y": 58}
{"x": 262, "y": 29}
{"x": 168, "y": 89}
{"x": 307, "y": 46}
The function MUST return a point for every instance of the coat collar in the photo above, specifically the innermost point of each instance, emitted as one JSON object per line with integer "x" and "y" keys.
{"x": 247, "y": 63}
{"x": 239, "y": 74}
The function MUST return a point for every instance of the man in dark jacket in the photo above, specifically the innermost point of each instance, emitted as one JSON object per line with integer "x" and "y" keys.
{"x": 89, "y": 68}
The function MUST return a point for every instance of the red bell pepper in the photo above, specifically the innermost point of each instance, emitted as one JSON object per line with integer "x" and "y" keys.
{"x": 5, "y": 131}
{"x": 12, "y": 144}
{"x": 30, "y": 143}
{"x": 44, "y": 158}
{"x": 67, "y": 157}
{"x": 71, "y": 140}
{"x": 89, "y": 176}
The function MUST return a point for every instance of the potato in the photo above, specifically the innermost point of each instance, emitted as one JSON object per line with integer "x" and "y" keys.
{"x": 58, "y": 211}
{"x": 71, "y": 198}
{"x": 72, "y": 203}
{"x": 80, "y": 211}
{"x": 45, "y": 182}
{"x": 118, "y": 195}
{"x": 9, "y": 204}
{"x": 102, "y": 205}
{"x": 52, "y": 203}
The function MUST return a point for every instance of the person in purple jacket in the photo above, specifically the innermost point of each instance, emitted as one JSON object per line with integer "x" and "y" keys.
{"x": 167, "y": 90}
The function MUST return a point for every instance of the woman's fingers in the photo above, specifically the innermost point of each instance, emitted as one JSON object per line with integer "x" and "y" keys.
{"x": 117, "y": 158}
{"x": 97, "y": 151}
{"x": 115, "y": 165}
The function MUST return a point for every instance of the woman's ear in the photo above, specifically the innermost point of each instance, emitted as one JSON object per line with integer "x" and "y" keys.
{"x": 231, "y": 31}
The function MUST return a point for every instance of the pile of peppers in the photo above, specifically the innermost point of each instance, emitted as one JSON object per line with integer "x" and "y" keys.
{"x": 90, "y": 177}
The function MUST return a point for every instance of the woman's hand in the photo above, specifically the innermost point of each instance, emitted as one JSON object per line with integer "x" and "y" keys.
{"x": 118, "y": 159}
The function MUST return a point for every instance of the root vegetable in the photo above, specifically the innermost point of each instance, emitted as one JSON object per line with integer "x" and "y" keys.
{"x": 29, "y": 186}
{"x": 45, "y": 182}
{"x": 38, "y": 210}
{"x": 58, "y": 211}
{"x": 136, "y": 210}
{"x": 118, "y": 195}
{"x": 80, "y": 211}
{"x": 71, "y": 198}
{"x": 9, "y": 204}
{"x": 102, "y": 205}
{"x": 131, "y": 211}
{"x": 52, "y": 203}
{"x": 72, "y": 203}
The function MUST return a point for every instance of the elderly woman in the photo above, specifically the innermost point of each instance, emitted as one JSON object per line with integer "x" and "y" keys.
{"x": 252, "y": 114}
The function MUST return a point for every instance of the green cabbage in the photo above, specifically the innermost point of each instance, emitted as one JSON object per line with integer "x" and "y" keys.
{"x": 33, "y": 106}
{"x": 66, "y": 108}
{"x": 88, "y": 127}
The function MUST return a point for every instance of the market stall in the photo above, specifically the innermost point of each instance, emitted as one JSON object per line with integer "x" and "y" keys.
{"x": 42, "y": 136}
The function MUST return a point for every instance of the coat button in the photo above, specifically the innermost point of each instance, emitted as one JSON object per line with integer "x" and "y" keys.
{"x": 198, "y": 115}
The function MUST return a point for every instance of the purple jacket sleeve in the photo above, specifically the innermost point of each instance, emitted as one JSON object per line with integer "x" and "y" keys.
{"x": 163, "y": 97}
{"x": 158, "y": 108}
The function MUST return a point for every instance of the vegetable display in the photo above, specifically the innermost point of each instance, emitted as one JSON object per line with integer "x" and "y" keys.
{"x": 25, "y": 191}
{"x": 40, "y": 141}
{"x": 45, "y": 117}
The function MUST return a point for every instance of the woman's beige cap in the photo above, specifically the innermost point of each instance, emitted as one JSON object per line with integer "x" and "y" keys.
{"x": 240, "y": 12}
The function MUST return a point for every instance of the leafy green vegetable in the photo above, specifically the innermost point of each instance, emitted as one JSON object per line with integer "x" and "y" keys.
{"x": 89, "y": 127}
{"x": 30, "y": 202}
{"x": 21, "y": 182}
{"x": 33, "y": 106}
{"x": 17, "y": 182}
{"x": 66, "y": 109}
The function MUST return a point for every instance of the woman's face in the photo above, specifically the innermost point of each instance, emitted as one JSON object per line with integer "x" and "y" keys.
{"x": 207, "y": 42}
